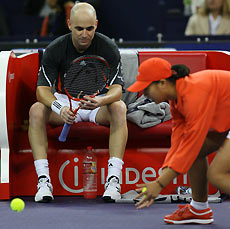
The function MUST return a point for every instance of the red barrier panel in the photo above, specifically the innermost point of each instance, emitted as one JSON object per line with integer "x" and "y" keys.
{"x": 141, "y": 166}
{"x": 195, "y": 61}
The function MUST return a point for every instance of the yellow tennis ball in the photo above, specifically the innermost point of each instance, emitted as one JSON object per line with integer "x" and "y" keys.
{"x": 144, "y": 189}
{"x": 17, "y": 205}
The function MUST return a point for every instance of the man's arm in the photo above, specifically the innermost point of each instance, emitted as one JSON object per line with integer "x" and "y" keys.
{"x": 44, "y": 95}
{"x": 114, "y": 94}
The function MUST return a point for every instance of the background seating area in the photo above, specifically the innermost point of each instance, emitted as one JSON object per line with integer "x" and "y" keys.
{"x": 145, "y": 23}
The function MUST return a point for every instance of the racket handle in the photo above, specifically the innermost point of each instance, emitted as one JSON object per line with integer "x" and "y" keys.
{"x": 64, "y": 132}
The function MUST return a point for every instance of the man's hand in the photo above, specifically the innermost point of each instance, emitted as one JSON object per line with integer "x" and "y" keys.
{"x": 90, "y": 103}
{"x": 67, "y": 115}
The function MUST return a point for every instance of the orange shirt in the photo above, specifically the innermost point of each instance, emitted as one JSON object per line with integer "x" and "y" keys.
{"x": 203, "y": 102}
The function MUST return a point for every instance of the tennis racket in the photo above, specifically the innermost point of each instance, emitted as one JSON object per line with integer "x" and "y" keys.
{"x": 87, "y": 75}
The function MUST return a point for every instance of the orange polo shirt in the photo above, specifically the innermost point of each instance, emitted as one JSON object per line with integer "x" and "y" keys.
{"x": 203, "y": 102}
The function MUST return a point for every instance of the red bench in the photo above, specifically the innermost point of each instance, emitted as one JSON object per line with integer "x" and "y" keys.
{"x": 157, "y": 136}
{"x": 141, "y": 165}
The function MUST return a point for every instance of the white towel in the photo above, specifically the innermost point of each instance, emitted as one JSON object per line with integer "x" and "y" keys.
{"x": 146, "y": 113}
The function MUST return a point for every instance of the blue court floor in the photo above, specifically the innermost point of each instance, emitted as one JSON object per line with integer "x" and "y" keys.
{"x": 78, "y": 213}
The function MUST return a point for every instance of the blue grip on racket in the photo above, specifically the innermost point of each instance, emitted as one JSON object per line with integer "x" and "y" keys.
{"x": 64, "y": 132}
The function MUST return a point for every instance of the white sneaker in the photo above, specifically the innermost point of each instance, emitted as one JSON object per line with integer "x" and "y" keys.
{"x": 45, "y": 189}
{"x": 112, "y": 190}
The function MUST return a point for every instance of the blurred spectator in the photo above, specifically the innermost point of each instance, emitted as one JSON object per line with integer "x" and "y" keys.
{"x": 212, "y": 18}
{"x": 56, "y": 14}
{"x": 55, "y": 23}
{"x": 195, "y": 5}
{"x": 4, "y": 30}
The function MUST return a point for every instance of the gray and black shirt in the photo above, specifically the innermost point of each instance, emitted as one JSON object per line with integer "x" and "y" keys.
{"x": 61, "y": 52}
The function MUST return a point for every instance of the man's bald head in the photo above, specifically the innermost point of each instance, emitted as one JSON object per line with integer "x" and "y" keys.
{"x": 82, "y": 10}
{"x": 83, "y": 24}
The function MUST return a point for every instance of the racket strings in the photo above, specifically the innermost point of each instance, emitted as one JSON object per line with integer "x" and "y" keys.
{"x": 87, "y": 75}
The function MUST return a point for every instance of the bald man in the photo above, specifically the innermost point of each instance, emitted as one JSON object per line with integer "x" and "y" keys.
{"x": 107, "y": 109}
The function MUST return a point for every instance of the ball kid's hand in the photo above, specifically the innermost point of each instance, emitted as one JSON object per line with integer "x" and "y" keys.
{"x": 152, "y": 191}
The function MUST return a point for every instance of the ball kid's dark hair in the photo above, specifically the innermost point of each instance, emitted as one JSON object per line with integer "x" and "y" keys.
{"x": 179, "y": 71}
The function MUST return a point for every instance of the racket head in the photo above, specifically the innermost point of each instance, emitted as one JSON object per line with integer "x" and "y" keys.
{"x": 88, "y": 75}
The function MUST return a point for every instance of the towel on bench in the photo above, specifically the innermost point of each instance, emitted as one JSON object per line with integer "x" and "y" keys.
{"x": 146, "y": 113}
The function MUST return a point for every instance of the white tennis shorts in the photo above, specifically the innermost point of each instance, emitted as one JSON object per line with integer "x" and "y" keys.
{"x": 82, "y": 115}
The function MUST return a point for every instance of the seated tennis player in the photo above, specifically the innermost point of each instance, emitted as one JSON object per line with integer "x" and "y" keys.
{"x": 200, "y": 107}
{"x": 54, "y": 108}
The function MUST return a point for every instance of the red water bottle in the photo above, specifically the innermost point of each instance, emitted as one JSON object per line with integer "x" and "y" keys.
{"x": 89, "y": 174}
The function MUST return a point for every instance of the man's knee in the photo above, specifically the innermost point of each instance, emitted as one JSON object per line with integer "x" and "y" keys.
{"x": 118, "y": 109}
{"x": 37, "y": 112}
{"x": 117, "y": 113}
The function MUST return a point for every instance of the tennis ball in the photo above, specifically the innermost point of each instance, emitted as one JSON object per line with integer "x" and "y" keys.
{"x": 17, "y": 205}
{"x": 144, "y": 189}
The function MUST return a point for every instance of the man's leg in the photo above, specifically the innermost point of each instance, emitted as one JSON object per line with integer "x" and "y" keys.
{"x": 114, "y": 115}
{"x": 39, "y": 115}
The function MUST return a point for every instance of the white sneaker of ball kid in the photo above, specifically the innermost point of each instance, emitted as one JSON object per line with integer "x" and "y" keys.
{"x": 112, "y": 190}
{"x": 45, "y": 189}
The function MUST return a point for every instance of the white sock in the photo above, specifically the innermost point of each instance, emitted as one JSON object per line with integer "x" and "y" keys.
{"x": 199, "y": 205}
{"x": 114, "y": 167}
{"x": 42, "y": 167}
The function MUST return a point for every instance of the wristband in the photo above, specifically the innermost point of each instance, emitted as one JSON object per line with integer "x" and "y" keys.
{"x": 57, "y": 106}
{"x": 161, "y": 185}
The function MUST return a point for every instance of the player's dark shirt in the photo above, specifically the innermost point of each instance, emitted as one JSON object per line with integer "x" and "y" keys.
{"x": 60, "y": 53}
